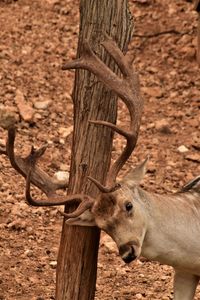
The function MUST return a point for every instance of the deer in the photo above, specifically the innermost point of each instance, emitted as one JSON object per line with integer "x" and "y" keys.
{"x": 160, "y": 227}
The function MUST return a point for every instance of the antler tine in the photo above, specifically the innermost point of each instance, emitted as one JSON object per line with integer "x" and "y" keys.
{"x": 118, "y": 164}
{"x": 86, "y": 204}
{"x": 89, "y": 61}
{"x": 53, "y": 199}
{"x": 39, "y": 178}
{"x": 103, "y": 188}
{"x": 120, "y": 59}
{"x": 127, "y": 88}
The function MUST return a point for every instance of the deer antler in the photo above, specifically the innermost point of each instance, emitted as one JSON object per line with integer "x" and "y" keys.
{"x": 39, "y": 178}
{"x": 127, "y": 88}
{"x": 28, "y": 169}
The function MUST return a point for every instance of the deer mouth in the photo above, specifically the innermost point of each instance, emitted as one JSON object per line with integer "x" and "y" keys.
{"x": 127, "y": 253}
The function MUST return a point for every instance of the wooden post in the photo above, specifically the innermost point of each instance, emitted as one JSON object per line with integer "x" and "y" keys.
{"x": 92, "y": 145}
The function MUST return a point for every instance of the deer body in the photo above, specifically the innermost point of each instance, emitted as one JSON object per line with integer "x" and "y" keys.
{"x": 173, "y": 230}
{"x": 172, "y": 237}
{"x": 163, "y": 228}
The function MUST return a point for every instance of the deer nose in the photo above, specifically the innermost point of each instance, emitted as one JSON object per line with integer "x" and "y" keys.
{"x": 127, "y": 253}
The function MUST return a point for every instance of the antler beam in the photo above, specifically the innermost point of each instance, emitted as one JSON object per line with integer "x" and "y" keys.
{"x": 127, "y": 88}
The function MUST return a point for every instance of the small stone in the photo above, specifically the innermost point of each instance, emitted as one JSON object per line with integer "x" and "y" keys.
{"x": 138, "y": 296}
{"x": 182, "y": 149}
{"x": 64, "y": 132}
{"x": 53, "y": 264}
{"x": 163, "y": 126}
{"x": 37, "y": 116}
{"x": 7, "y": 117}
{"x": 28, "y": 253}
{"x": 188, "y": 52}
{"x": 16, "y": 225}
{"x": 195, "y": 157}
{"x": 42, "y": 104}
{"x": 62, "y": 141}
{"x": 64, "y": 167}
{"x": 155, "y": 92}
{"x": 25, "y": 110}
{"x": 62, "y": 176}
{"x": 163, "y": 278}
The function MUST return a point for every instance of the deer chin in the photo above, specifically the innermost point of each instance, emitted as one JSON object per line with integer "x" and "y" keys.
{"x": 129, "y": 252}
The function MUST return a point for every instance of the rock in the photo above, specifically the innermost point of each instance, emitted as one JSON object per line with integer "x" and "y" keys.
{"x": 182, "y": 149}
{"x": 64, "y": 132}
{"x": 37, "y": 117}
{"x": 138, "y": 296}
{"x": 64, "y": 167}
{"x": 7, "y": 117}
{"x": 26, "y": 50}
{"x": 17, "y": 225}
{"x": 163, "y": 126}
{"x": 195, "y": 157}
{"x": 28, "y": 253}
{"x": 62, "y": 176}
{"x": 155, "y": 92}
{"x": 53, "y": 264}
{"x": 25, "y": 110}
{"x": 42, "y": 104}
{"x": 188, "y": 52}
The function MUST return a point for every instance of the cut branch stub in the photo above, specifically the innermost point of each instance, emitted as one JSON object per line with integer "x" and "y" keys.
{"x": 126, "y": 87}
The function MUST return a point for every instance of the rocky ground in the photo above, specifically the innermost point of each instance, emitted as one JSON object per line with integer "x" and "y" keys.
{"x": 35, "y": 38}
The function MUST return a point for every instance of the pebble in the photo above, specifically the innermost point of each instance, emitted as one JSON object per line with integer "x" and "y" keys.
{"x": 7, "y": 117}
{"x": 62, "y": 176}
{"x": 182, "y": 149}
{"x": 64, "y": 167}
{"x": 155, "y": 92}
{"x": 163, "y": 126}
{"x": 64, "y": 132}
{"x": 42, "y": 104}
{"x": 28, "y": 253}
{"x": 53, "y": 264}
{"x": 138, "y": 296}
{"x": 25, "y": 109}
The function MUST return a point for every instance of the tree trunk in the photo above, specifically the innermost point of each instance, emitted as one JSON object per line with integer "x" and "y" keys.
{"x": 92, "y": 145}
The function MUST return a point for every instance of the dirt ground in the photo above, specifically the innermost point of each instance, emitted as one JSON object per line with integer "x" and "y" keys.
{"x": 36, "y": 37}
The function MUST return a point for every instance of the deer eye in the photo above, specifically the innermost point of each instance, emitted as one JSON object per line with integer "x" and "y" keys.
{"x": 128, "y": 206}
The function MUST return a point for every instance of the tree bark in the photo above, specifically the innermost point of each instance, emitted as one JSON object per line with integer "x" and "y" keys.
{"x": 92, "y": 145}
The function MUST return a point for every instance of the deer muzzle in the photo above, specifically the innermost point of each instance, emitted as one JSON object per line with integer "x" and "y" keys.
{"x": 128, "y": 252}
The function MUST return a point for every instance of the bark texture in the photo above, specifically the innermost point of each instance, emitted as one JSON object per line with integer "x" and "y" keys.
{"x": 92, "y": 145}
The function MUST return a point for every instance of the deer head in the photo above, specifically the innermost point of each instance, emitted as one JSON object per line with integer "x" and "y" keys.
{"x": 115, "y": 208}
{"x": 119, "y": 214}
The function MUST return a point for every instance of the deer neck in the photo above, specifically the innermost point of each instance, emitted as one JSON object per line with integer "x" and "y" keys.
{"x": 167, "y": 237}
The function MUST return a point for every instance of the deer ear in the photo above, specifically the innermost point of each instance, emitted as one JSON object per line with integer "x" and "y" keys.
{"x": 135, "y": 176}
{"x": 85, "y": 219}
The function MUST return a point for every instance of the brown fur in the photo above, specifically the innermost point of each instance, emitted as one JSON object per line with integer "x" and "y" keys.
{"x": 105, "y": 206}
